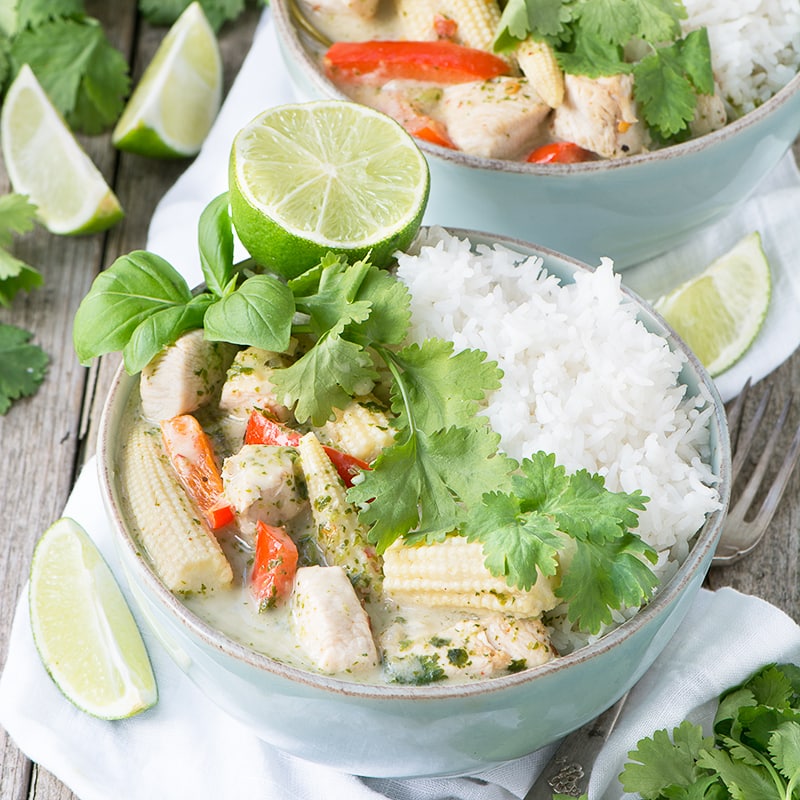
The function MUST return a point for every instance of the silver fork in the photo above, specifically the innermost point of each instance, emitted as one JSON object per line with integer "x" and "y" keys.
{"x": 740, "y": 536}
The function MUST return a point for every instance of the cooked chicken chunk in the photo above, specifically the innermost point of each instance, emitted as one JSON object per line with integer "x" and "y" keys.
{"x": 329, "y": 621}
{"x": 261, "y": 484}
{"x": 710, "y": 114}
{"x": 500, "y": 118}
{"x": 599, "y": 114}
{"x": 248, "y": 385}
{"x": 183, "y": 376}
{"x": 471, "y": 648}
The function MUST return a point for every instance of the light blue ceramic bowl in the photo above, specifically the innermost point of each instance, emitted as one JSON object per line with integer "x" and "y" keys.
{"x": 411, "y": 731}
{"x": 629, "y": 209}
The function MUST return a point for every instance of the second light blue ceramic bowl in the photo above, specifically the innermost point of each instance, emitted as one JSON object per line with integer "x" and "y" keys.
{"x": 629, "y": 209}
{"x": 403, "y": 731}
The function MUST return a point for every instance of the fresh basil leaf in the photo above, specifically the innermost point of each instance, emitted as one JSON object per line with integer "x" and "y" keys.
{"x": 259, "y": 314}
{"x": 215, "y": 238}
{"x": 161, "y": 329}
{"x": 133, "y": 288}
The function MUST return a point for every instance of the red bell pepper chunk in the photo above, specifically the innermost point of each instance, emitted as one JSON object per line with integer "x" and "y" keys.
{"x": 192, "y": 457}
{"x": 262, "y": 429}
{"x": 274, "y": 566}
{"x": 430, "y": 130}
{"x": 560, "y": 153}
{"x": 375, "y": 62}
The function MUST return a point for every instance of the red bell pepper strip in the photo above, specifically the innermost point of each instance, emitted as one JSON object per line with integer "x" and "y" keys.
{"x": 429, "y": 130}
{"x": 375, "y": 62}
{"x": 274, "y": 566}
{"x": 560, "y": 153}
{"x": 262, "y": 429}
{"x": 192, "y": 457}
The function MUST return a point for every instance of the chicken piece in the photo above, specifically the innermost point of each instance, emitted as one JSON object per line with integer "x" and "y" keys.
{"x": 599, "y": 114}
{"x": 709, "y": 115}
{"x": 361, "y": 429}
{"x": 471, "y": 648}
{"x": 363, "y": 9}
{"x": 261, "y": 484}
{"x": 330, "y": 623}
{"x": 183, "y": 376}
{"x": 248, "y": 385}
{"x": 500, "y": 118}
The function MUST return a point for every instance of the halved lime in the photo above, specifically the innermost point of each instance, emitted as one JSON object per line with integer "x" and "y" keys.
{"x": 307, "y": 178}
{"x": 177, "y": 99}
{"x": 719, "y": 312}
{"x": 45, "y": 162}
{"x": 84, "y": 631}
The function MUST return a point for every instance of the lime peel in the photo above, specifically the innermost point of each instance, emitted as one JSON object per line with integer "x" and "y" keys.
{"x": 720, "y": 312}
{"x": 83, "y": 629}
{"x": 328, "y": 175}
{"x": 45, "y": 162}
{"x": 178, "y": 97}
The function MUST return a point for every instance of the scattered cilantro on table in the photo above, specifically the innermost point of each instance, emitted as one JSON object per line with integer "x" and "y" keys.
{"x": 753, "y": 752}
{"x": 353, "y": 320}
{"x": 22, "y": 365}
{"x": 589, "y": 38}
{"x": 165, "y": 12}
{"x": 16, "y": 216}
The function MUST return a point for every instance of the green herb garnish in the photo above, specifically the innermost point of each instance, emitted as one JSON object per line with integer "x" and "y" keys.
{"x": 16, "y": 216}
{"x": 754, "y": 751}
{"x": 589, "y": 38}
{"x": 22, "y": 365}
{"x": 432, "y": 481}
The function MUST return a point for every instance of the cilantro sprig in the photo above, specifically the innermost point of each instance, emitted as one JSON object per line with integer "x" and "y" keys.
{"x": 754, "y": 750}
{"x": 17, "y": 215}
{"x": 590, "y": 37}
{"x": 353, "y": 320}
{"x": 22, "y": 365}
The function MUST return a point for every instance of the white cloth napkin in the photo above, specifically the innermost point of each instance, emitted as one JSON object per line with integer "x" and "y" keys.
{"x": 187, "y": 748}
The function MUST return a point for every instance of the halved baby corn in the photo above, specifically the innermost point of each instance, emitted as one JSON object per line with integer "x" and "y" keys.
{"x": 539, "y": 65}
{"x": 184, "y": 552}
{"x": 452, "y": 573}
{"x": 361, "y": 429}
{"x": 341, "y": 538}
{"x": 475, "y": 21}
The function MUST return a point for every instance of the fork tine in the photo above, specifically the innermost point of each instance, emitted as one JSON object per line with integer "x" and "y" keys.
{"x": 738, "y": 512}
{"x": 734, "y": 413}
{"x": 745, "y": 438}
{"x": 768, "y": 507}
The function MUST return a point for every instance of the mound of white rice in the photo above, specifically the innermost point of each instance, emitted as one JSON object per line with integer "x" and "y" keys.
{"x": 755, "y": 46}
{"x": 582, "y": 377}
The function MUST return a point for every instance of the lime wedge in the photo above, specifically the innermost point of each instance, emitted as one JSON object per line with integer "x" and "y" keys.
{"x": 45, "y": 162}
{"x": 719, "y": 312}
{"x": 84, "y": 632}
{"x": 307, "y": 178}
{"x": 177, "y": 99}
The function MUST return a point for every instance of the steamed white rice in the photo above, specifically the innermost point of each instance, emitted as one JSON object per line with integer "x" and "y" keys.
{"x": 755, "y": 46}
{"x": 582, "y": 377}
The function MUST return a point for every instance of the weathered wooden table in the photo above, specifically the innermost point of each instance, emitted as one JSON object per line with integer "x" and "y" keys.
{"x": 45, "y": 439}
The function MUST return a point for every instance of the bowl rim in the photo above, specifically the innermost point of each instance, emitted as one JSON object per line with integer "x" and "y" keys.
{"x": 288, "y": 33}
{"x": 705, "y": 539}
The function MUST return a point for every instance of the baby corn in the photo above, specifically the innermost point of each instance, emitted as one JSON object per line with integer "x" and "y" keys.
{"x": 539, "y": 65}
{"x": 452, "y": 573}
{"x": 474, "y": 21}
{"x": 340, "y": 537}
{"x": 184, "y": 552}
{"x": 362, "y": 430}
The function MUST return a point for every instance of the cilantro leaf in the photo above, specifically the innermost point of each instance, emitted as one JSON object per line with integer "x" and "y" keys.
{"x": 658, "y": 764}
{"x": 83, "y": 74}
{"x": 165, "y": 12}
{"x": 614, "y": 22}
{"x": 592, "y": 55}
{"x": 390, "y": 314}
{"x": 518, "y": 546}
{"x": 742, "y": 780}
{"x": 784, "y": 747}
{"x": 22, "y": 365}
{"x": 541, "y": 18}
{"x": 258, "y": 314}
{"x": 658, "y": 20}
{"x": 133, "y": 288}
{"x": 443, "y": 389}
{"x": 16, "y": 216}
{"x": 31, "y": 13}
{"x": 325, "y": 377}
